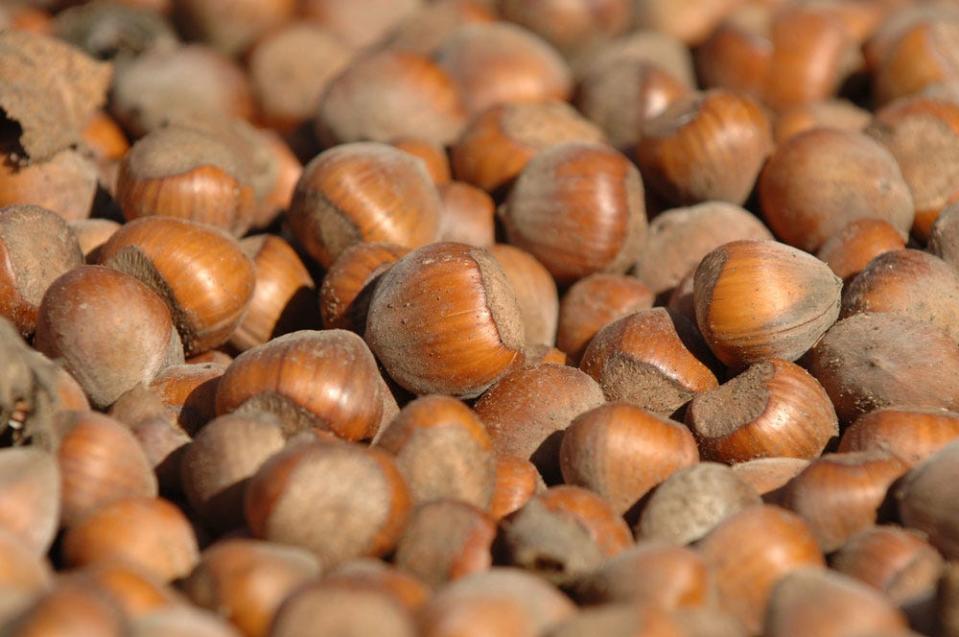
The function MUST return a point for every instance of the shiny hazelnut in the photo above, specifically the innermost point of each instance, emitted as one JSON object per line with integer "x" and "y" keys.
{"x": 444, "y": 319}
{"x": 431, "y": 153}
{"x": 915, "y": 53}
{"x": 366, "y": 192}
{"x": 621, "y": 452}
{"x": 189, "y": 174}
{"x": 579, "y": 209}
{"x": 869, "y": 361}
{"x": 849, "y": 251}
{"x": 535, "y": 292}
{"x": 36, "y": 247}
{"x": 528, "y": 409}
{"x": 678, "y": 239}
{"x": 563, "y": 533}
{"x": 750, "y": 552}
{"x": 284, "y": 297}
{"x": 757, "y": 300}
{"x": 290, "y": 497}
{"x": 148, "y": 532}
{"x": 685, "y": 152}
{"x": 594, "y": 302}
{"x": 804, "y": 187}
{"x": 649, "y": 358}
{"x": 498, "y": 143}
{"x": 349, "y": 283}
{"x": 247, "y": 580}
{"x": 773, "y": 409}
{"x": 444, "y": 541}
{"x": 106, "y": 351}
{"x": 839, "y": 494}
{"x": 424, "y": 101}
{"x": 910, "y": 435}
{"x": 326, "y": 379}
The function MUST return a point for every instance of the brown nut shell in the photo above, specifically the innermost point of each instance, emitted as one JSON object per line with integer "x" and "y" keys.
{"x": 909, "y": 434}
{"x": 757, "y": 300}
{"x": 773, "y": 409}
{"x": 444, "y": 319}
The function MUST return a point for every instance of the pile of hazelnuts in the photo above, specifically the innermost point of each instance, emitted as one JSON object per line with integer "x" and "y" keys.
{"x": 479, "y": 318}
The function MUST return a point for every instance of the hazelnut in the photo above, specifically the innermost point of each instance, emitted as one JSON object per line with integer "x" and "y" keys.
{"x": 910, "y": 435}
{"x": 147, "y": 532}
{"x": 290, "y": 499}
{"x": 757, "y": 300}
{"x": 424, "y": 101}
{"x": 498, "y": 63}
{"x": 91, "y": 234}
{"x": 767, "y": 475}
{"x": 247, "y": 580}
{"x": 579, "y": 209}
{"x": 868, "y": 361}
{"x": 527, "y": 411}
{"x": 498, "y": 143}
{"x": 179, "y": 259}
{"x": 621, "y": 452}
{"x": 833, "y": 113}
{"x": 107, "y": 351}
{"x": 30, "y": 508}
{"x": 685, "y": 152}
{"x": 442, "y": 449}
{"x": 468, "y": 215}
{"x": 535, "y": 292}
{"x": 366, "y": 192}
{"x": 839, "y": 494}
{"x": 349, "y": 283}
{"x": 359, "y": 24}
{"x": 444, "y": 319}
{"x": 65, "y": 184}
{"x": 36, "y": 247}
{"x": 649, "y": 358}
{"x": 849, "y": 251}
{"x": 517, "y": 480}
{"x": 563, "y": 533}
{"x": 691, "y": 22}
{"x": 773, "y": 409}
{"x": 328, "y": 380}
{"x": 234, "y": 27}
{"x": 426, "y": 28}
{"x": 924, "y": 499}
{"x": 594, "y": 302}
{"x": 804, "y": 188}
{"x": 284, "y": 297}
{"x": 571, "y": 27}
{"x": 431, "y": 153}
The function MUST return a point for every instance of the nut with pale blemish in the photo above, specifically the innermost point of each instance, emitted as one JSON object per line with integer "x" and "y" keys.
{"x": 443, "y": 450}
{"x": 306, "y": 496}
